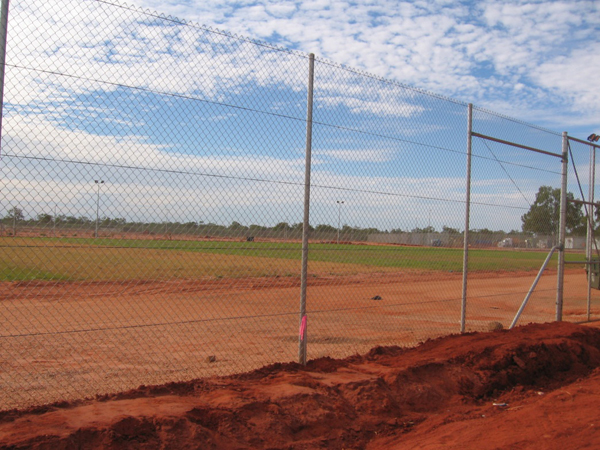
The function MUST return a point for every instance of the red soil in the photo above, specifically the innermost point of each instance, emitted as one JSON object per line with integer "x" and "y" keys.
{"x": 536, "y": 386}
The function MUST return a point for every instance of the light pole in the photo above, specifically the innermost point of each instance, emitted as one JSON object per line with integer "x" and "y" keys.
{"x": 340, "y": 203}
{"x": 428, "y": 228}
{"x": 166, "y": 224}
{"x": 98, "y": 183}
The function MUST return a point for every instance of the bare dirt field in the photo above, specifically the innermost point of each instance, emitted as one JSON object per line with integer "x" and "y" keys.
{"x": 67, "y": 341}
{"x": 532, "y": 387}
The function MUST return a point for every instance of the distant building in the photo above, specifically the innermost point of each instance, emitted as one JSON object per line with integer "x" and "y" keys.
{"x": 578, "y": 242}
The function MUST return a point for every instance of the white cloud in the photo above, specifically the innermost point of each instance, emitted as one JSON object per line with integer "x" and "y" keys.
{"x": 490, "y": 52}
{"x": 575, "y": 77}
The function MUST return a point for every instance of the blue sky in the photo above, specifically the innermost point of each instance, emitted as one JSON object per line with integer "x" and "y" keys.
{"x": 534, "y": 60}
{"x": 189, "y": 124}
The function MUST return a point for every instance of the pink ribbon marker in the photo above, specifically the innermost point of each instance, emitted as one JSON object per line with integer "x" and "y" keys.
{"x": 303, "y": 327}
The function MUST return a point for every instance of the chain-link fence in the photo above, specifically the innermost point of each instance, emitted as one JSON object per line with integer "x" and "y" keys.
{"x": 506, "y": 181}
{"x": 582, "y": 243}
{"x": 157, "y": 215}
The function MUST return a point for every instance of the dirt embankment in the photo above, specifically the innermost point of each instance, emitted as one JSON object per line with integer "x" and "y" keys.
{"x": 532, "y": 387}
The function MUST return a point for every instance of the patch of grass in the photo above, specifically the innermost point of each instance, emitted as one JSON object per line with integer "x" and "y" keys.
{"x": 23, "y": 273}
{"x": 127, "y": 259}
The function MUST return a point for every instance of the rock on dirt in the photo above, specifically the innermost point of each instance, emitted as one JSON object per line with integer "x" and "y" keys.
{"x": 495, "y": 326}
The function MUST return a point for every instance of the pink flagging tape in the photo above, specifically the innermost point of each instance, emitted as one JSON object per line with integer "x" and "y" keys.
{"x": 303, "y": 327}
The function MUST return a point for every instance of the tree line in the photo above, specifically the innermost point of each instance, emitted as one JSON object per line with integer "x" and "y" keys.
{"x": 542, "y": 218}
{"x": 48, "y": 221}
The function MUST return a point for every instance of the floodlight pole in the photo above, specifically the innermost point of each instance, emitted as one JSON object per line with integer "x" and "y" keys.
{"x": 340, "y": 203}
{"x": 463, "y": 310}
{"x": 306, "y": 223}
{"x": 98, "y": 183}
{"x": 562, "y": 228}
{"x": 167, "y": 223}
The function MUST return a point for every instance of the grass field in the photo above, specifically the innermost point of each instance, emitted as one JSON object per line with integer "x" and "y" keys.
{"x": 74, "y": 259}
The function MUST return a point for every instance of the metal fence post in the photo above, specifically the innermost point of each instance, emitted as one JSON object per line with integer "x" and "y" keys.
{"x": 305, "y": 226}
{"x": 3, "y": 35}
{"x": 590, "y": 229}
{"x": 463, "y": 311}
{"x": 562, "y": 228}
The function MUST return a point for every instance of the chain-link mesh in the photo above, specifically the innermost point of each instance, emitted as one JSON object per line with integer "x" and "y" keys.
{"x": 581, "y": 305}
{"x": 139, "y": 153}
{"x": 512, "y": 227}
{"x": 389, "y": 160}
{"x": 152, "y": 199}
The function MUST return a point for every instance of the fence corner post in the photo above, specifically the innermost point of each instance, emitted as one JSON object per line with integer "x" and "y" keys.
{"x": 562, "y": 228}
{"x": 463, "y": 310}
{"x": 305, "y": 226}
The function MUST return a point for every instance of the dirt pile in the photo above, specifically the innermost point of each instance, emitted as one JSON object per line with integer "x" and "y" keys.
{"x": 481, "y": 390}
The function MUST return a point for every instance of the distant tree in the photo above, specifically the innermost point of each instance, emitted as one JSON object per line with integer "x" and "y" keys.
{"x": 15, "y": 213}
{"x": 519, "y": 233}
{"x": 368, "y": 231}
{"x": 256, "y": 228}
{"x": 299, "y": 226}
{"x": 236, "y": 226}
{"x": 449, "y": 230}
{"x": 428, "y": 229}
{"x": 119, "y": 222}
{"x": 45, "y": 219}
{"x": 107, "y": 222}
{"x": 485, "y": 231}
{"x": 72, "y": 220}
{"x": 543, "y": 217}
{"x": 323, "y": 228}
{"x": 282, "y": 226}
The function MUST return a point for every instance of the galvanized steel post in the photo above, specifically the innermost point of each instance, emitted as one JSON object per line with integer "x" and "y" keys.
{"x": 3, "y": 36}
{"x": 590, "y": 229}
{"x": 463, "y": 311}
{"x": 562, "y": 228}
{"x": 305, "y": 226}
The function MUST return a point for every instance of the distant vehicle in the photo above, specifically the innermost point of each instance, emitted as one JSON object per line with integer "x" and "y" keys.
{"x": 506, "y": 242}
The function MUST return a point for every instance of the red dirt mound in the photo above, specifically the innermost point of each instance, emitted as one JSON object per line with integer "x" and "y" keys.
{"x": 533, "y": 387}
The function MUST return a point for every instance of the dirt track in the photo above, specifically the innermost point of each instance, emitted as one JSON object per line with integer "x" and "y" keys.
{"x": 67, "y": 341}
{"x": 533, "y": 387}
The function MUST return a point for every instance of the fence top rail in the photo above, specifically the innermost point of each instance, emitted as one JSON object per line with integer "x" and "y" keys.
{"x": 581, "y": 141}
{"x": 513, "y": 144}
{"x": 583, "y": 202}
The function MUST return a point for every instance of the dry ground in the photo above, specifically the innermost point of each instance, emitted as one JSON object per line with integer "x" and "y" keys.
{"x": 64, "y": 341}
{"x": 534, "y": 387}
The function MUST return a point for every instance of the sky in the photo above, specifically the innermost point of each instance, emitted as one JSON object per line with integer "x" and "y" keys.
{"x": 533, "y": 60}
{"x": 204, "y": 120}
